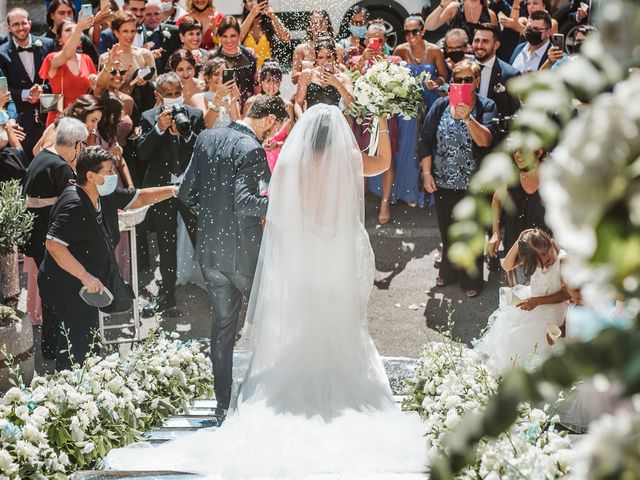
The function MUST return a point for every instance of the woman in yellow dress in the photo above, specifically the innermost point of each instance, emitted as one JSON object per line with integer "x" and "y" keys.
{"x": 260, "y": 28}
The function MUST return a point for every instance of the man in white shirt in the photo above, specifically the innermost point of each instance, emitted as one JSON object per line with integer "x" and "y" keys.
{"x": 531, "y": 55}
{"x": 20, "y": 60}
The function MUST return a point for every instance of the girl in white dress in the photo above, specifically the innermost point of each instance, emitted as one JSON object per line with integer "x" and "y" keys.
{"x": 518, "y": 329}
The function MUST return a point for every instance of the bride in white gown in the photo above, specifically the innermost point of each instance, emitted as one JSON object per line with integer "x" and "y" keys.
{"x": 316, "y": 400}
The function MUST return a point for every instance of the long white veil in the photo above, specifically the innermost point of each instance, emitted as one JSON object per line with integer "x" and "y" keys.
{"x": 312, "y": 353}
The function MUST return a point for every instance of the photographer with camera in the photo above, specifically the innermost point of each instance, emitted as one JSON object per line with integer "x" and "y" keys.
{"x": 169, "y": 134}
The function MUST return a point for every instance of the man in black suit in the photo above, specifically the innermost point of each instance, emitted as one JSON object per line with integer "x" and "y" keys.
{"x": 495, "y": 73}
{"x": 166, "y": 153}
{"x": 225, "y": 182}
{"x": 20, "y": 60}
{"x": 107, "y": 37}
{"x": 161, "y": 38}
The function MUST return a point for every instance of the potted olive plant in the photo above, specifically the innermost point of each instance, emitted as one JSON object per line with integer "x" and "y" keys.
{"x": 16, "y": 348}
{"x": 15, "y": 226}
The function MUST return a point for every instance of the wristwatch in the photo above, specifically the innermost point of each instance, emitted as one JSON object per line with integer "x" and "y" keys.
{"x": 213, "y": 106}
{"x": 467, "y": 120}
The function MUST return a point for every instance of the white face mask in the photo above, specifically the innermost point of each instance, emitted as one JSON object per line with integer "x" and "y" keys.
{"x": 170, "y": 102}
{"x": 166, "y": 6}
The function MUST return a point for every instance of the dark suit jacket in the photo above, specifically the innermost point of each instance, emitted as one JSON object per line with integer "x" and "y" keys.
{"x": 107, "y": 40}
{"x": 223, "y": 184}
{"x": 3, "y": 39}
{"x": 18, "y": 79}
{"x": 519, "y": 49}
{"x": 157, "y": 152}
{"x": 500, "y": 74}
{"x": 167, "y": 38}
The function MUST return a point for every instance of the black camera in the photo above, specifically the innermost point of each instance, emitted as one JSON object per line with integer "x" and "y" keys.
{"x": 181, "y": 119}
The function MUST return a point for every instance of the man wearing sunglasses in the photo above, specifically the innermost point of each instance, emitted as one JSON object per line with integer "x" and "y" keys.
{"x": 533, "y": 53}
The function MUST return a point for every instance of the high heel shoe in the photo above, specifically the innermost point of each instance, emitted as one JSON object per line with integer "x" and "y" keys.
{"x": 385, "y": 212}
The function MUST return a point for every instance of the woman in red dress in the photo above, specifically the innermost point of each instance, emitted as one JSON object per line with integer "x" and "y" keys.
{"x": 70, "y": 73}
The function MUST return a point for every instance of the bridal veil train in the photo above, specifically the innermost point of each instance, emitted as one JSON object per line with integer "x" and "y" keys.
{"x": 316, "y": 399}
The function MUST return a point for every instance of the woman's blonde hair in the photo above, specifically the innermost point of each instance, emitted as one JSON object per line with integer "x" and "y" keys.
{"x": 466, "y": 64}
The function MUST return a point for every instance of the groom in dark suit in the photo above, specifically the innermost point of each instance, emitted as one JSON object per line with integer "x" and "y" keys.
{"x": 20, "y": 60}
{"x": 226, "y": 184}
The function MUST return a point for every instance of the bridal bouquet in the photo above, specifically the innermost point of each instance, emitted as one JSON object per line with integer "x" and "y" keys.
{"x": 387, "y": 89}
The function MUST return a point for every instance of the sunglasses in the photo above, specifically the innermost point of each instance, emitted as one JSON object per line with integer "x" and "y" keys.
{"x": 468, "y": 79}
{"x": 115, "y": 71}
{"x": 414, "y": 31}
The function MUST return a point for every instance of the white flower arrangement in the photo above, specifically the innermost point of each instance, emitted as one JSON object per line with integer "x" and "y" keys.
{"x": 37, "y": 43}
{"x": 166, "y": 33}
{"x": 71, "y": 419}
{"x": 387, "y": 89}
{"x": 453, "y": 381}
{"x": 148, "y": 33}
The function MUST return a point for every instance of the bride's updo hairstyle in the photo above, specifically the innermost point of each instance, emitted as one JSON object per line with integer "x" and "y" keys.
{"x": 530, "y": 246}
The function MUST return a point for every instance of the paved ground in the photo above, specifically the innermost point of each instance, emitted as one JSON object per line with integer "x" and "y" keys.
{"x": 405, "y": 310}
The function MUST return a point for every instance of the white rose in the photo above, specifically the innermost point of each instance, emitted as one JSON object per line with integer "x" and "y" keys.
{"x": 7, "y": 466}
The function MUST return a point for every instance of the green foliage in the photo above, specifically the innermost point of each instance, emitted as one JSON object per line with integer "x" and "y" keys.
{"x": 15, "y": 221}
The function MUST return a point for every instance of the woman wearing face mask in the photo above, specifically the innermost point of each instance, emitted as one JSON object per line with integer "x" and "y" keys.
{"x": 48, "y": 174}
{"x": 260, "y": 29}
{"x": 172, "y": 12}
{"x": 220, "y": 103}
{"x": 81, "y": 236}
{"x": 69, "y": 73}
{"x": 204, "y": 11}
{"x": 238, "y": 57}
{"x": 304, "y": 55}
{"x": 184, "y": 65}
{"x": 354, "y": 43}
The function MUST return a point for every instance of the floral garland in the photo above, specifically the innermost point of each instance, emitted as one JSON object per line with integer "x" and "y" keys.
{"x": 452, "y": 381}
{"x": 71, "y": 419}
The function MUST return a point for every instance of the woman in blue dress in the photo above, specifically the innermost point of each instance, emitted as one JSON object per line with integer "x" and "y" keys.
{"x": 420, "y": 56}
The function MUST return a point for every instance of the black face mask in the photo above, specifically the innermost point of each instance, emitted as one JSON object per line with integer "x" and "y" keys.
{"x": 456, "y": 56}
{"x": 533, "y": 37}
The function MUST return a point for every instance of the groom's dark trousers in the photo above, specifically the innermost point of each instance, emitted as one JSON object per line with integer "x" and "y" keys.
{"x": 223, "y": 184}
{"x": 225, "y": 297}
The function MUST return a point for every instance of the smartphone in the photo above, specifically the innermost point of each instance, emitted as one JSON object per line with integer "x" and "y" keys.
{"x": 3, "y": 84}
{"x": 558, "y": 40}
{"x": 374, "y": 44}
{"x": 460, "y": 93}
{"x": 87, "y": 10}
{"x": 228, "y": 75}
{"x": 328, "y": 67}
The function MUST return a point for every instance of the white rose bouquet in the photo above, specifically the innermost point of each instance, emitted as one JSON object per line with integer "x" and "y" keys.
{"x": 387, "y": 89}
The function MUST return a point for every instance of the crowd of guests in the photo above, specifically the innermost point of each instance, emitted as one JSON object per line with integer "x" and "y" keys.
{"x": 136, "y": 85}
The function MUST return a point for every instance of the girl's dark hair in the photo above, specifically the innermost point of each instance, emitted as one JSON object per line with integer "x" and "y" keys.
{"x": 265, "y": 23}
{"x": 530, "y": 245}
{"x": 60, "y": 27}
{"x": 271, "y": 68}
{"x": 189, "y": 23}
{"x": 111, "y": 113}
{"x": 325, "y": 16}
{"x": 415, "y": 17}
{"x": 226, "y": 23}
{"x": 326, "y": 45}
{"x": 83, "y": 106}
{"x": 90, "y": 160}
{"x": 179, "y": 56}
{"x": 120, "y": 18}
{"x": 357, "y": 9}
{"x": 53, "y": 6}
{"x": 212, "y": 65}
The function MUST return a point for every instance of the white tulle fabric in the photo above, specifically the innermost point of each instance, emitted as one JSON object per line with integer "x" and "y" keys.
{"x": 316, "y": 399}
{"x": 517, "y": 336}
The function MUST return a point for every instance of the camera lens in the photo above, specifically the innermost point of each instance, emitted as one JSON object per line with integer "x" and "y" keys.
{"x": 181, "y": 119}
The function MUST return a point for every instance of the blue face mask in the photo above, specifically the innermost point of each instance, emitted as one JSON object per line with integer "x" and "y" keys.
{"x": 4, "y": 117}
{"x": 109, "y": 185}
{"x": 359, "y": 32}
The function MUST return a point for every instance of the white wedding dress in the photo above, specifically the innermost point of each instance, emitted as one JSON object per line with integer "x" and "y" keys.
{"x": 316, "y": 401}
{"x": 517, "y": 336}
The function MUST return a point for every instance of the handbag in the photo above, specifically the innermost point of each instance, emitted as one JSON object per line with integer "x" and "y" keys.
{"x": 121, "y": 290}
{"x": 52, "y": 102}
